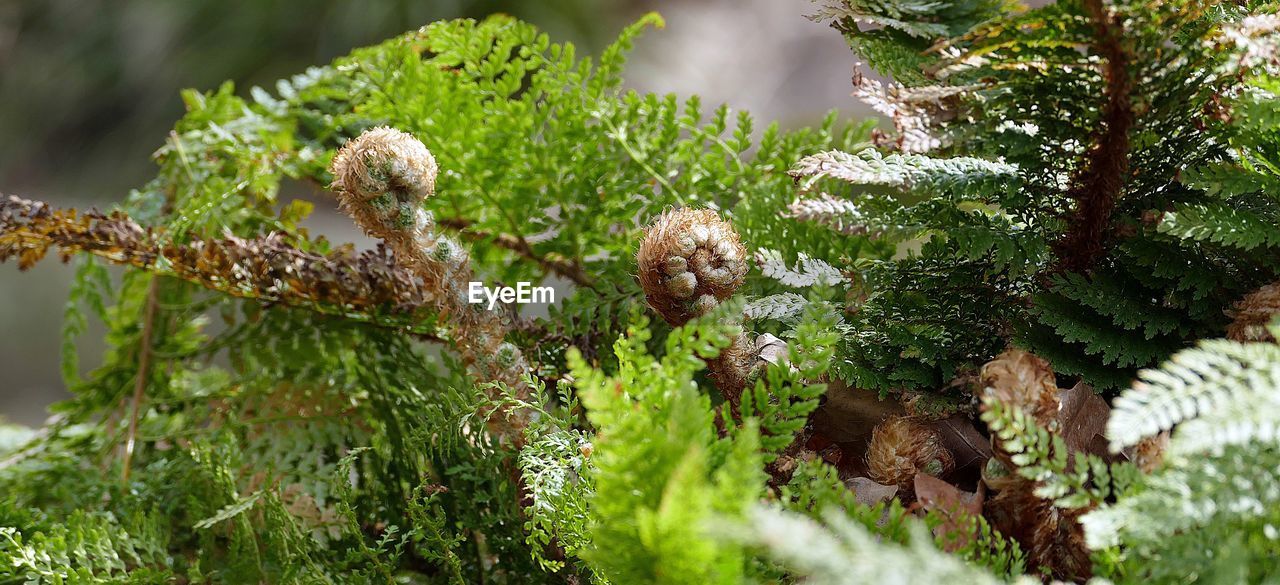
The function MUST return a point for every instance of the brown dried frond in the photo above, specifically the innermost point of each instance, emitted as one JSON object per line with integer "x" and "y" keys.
{"x": 381, "y": 180}
{"x": 365, "y": 287}
{"x": 1251, "y": 314}
{"x": 917, "y": 112}
{"x": 689, "y": 262}
{"x": 901, "y": 447}
{"x": 1023, "y": 380}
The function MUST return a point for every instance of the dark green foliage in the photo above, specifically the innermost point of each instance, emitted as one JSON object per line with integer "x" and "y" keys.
{"x": 1101, "y": 263}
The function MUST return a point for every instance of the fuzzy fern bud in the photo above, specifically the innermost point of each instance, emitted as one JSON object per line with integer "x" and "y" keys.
{"x": 507, "y": 355}
{"x": 690, "y": 261}
{"x": 382, "y": 178}
{"x": 1023, "y": 380}
{"x": 1251, "y": 314}
{"x": 384, "y": 161}
{"x": 901, "y": 447}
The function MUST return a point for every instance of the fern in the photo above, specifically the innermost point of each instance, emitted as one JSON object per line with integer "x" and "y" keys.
{"x": 911, "y": 172}
{"x": 783, "y": 398}
{"x": 1218, "y": 401}
{"x": 1212, "y": 385}
{"x": 661, "y": 478}
{"x": 783, "y": 306}
{"x": 270, "y": 407}
{"x": 1041, "y": 456}
{"x": 88, "y": 548}
{"x": 1003, "y": 196}
{"x": 808, "y": 271}
{"x": 556, "y": 472}
{"x": 845, "y": 552}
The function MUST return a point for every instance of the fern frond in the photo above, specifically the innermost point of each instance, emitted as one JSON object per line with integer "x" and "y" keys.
{"x": 556, "y": 474}
{"x": 1193, "y": 493}
{"x": 1042, "y": 456}
{"x": 904, "y": 171}
{"x": 807, "y": 272}
{"x": 779, "y": 307}
{"x": 1196, "y": 383}
{"x": 838, "y": 214}
{"x": 1230, "y": 226}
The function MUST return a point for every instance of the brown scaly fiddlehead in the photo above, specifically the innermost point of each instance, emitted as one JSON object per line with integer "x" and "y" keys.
{"x": 382, "y": 179}
{"x": 690, "y": 261}
{"x": 1051, "y": 535}
{"x": 901, "y": 447}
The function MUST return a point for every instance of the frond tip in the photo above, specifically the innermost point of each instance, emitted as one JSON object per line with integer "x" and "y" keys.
{"x": 689, "y": 262}
{"x": 383, "y": 160}
{"x": 902, "y": 447}
{"x": 384, "y": 175}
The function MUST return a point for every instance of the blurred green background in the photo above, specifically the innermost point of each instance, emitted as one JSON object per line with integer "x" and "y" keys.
{"x": 89, "y": 88}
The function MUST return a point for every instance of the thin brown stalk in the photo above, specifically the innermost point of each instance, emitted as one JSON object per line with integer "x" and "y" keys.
{"x": 368, "y": 288}
{"x": 140, "y": 382}
{"x": 560, "y": 266}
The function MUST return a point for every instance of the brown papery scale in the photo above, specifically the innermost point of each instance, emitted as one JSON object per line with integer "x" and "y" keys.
{"x": 1251, "y": 314}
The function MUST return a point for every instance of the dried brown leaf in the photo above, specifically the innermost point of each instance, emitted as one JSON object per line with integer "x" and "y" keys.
{"x": 867, "y": 491}
{"x": 954, "y": 506}
{"x": 1082, "y": 417}
{"x": 970, "y": 448}
{"x": 849, "y": 414}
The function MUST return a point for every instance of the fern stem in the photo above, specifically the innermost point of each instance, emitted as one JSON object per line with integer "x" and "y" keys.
{"x": 140, "y": 382}
{"x": 28, "y": 229}
{"x": 563, "y": 267}
{"x": 1097, "y": 186}
{"x": 381, "y": 180}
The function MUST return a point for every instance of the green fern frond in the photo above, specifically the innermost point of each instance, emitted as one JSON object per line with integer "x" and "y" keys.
{"x": 905, "y": 171}
{"x": 1220, "y": 224}
{"x": 1197, "y": 383}
{"x": 843, "y": 552}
